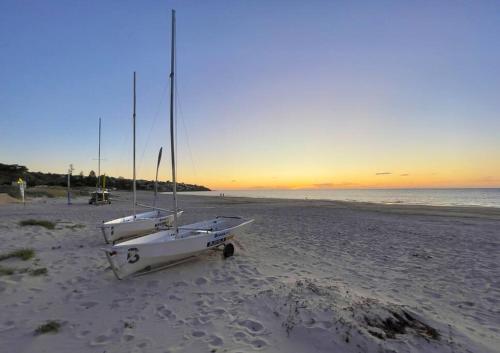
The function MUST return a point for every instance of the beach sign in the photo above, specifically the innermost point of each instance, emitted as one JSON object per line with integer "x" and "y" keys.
{"x": 22, "y": 186}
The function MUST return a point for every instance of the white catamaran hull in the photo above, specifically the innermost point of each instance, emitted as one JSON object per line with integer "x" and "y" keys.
{"x": 162, "y": 248}
{"x": 143, "y": 223}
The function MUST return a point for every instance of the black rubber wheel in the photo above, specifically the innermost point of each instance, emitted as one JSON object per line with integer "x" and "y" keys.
{"x": 228, "y": 250}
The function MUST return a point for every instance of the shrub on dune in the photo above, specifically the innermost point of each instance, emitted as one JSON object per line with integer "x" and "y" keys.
{"x": 23, "y": 254}
{"x": 38, "y": 271}
{"x": 6, "y": 271}
{"x": 37, "y": 222}
{"x": 48, "y": 327}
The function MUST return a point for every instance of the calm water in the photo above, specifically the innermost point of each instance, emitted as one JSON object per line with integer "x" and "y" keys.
{"x": 436, "y": 197}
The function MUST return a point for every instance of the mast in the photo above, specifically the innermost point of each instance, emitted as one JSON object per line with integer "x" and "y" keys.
{"x": 99, "y": 159}
{"x": 172, "y": 135}
{"x": 134, "y": 182}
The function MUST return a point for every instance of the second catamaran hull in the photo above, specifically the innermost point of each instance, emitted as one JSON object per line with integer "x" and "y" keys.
{"x": 143, "y": 223}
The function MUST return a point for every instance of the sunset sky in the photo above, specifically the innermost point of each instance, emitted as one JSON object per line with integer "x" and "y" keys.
{"x": 272, "y": 94}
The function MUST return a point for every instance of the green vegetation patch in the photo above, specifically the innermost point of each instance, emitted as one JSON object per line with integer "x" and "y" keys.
{"x": 47, "y": 191}
{"x": 23, "y": 254}
{"x": 48, "y": 327}
{"x": 38, "y": 222}
{"x": 6, "y": 271}
{"x": 38, "y": 271}
{"x": 12, "y": 191}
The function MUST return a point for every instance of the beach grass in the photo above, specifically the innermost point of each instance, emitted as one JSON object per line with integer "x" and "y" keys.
{"x": 38, "y": 271}
{"x": 6, "y": 271}
{"x": 48, "y": 327}
{"x": 47, "y": 191}
{"x": 55, "y": 191}
{"x": 12, "y": 191}
{"x": 23, "y": 254}
{"x": 37, "y": 222}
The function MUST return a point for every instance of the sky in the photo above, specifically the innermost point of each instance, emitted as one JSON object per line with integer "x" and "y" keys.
{"x": 271, "y": 94}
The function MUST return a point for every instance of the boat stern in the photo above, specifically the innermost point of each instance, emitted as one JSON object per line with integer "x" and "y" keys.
{"x": 117, "y": 259}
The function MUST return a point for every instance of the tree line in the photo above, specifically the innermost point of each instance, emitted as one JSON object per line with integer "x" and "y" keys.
{"x": 10, "y": 173}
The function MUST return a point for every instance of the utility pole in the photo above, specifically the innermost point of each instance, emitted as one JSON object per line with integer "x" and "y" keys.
{"x": 70, "y": 171}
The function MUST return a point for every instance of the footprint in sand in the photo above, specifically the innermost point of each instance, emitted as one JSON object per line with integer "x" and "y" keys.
{"x": 100, "y": 340}
{"x": 196, "y": 322}
{"x": 163, "y": 312}
{"x": 180, "y": 284}
{"x": 143, "y": 346}
{"x": 219, "y": 311}
{"x": 128, "y": 337}
{"x": 7, "y": 325}
{"x": 257, "y": 282}
{"x": 83, "y": 334}
{"x": 119, "y": 302}
{"x": 240, "y": 336}
{"x": 198, "y": 334}
{"x": 270, "y": 279}
{"x": 179, "y": 323}
{"x": 205, "y": 319}
{"x": 148, "y": 294}
{"x": 201, "y": 281}
{"x": 215, "y": 340}
{"x": 201, "y": 303}
{"x": 259, "y": 343}
{"x": 88, "y": 305}
{"x": 251, "y": 325}
{"x": 255, "y": 343}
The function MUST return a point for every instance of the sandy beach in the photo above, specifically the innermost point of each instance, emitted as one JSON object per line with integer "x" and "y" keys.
{"x": 307, "y": 276}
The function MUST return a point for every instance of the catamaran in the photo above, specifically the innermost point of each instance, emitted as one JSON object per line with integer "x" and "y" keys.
{"x": 172, "y": 246}
{"x": 138, "y": 223}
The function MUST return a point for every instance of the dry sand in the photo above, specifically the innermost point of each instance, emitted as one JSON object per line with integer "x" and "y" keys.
{"x": 307, "y": 276}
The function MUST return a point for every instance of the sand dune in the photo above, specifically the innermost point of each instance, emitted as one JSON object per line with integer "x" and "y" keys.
{"x": 6, "y": 198}
{"x": 307, "y": 276}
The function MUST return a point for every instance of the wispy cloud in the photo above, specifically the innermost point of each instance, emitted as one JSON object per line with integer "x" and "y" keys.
{"x": 324, "y": 185}
{"x": 383, "y": 173}
{"x": 333, "y": 185}
{"x": 488, "y": 178}
{"x": 405, "y": 174}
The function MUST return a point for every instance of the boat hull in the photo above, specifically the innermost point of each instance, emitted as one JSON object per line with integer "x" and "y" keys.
{"x": 127, "y": 227}
{"x": 166, "y": 247}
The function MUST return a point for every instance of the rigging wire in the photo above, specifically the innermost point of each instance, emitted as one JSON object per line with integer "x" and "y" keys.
{"x": 177, "y": 110}
{"x": 155, "y": 117}
{"x": 182, "y": 119}
{"x": 186, "y": 135}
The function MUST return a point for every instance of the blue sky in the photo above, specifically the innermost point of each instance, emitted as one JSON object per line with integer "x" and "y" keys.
{"x": 272, "y": 93}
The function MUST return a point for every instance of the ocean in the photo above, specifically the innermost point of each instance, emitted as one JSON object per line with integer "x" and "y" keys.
{"x": 433, "y": 197}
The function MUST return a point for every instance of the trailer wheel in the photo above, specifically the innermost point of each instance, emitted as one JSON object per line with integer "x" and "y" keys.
{"x": 228, "y": 250}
